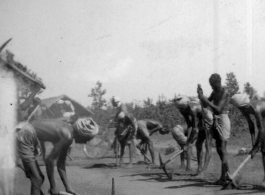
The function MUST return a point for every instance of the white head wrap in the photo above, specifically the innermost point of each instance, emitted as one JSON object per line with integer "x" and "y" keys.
{"x": 60, "y": 102}
{"x": 116, "y": 99}
{"x": 182, "y": 100}
{"x": 239, "y": 100}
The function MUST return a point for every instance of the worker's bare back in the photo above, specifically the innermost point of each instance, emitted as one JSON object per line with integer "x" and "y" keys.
{"x": 53, "y": 130}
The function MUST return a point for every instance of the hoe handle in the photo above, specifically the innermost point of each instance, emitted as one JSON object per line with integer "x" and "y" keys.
{"x": 3, "y": 46}
{"x": 143, "y": 153}
{"x": 33, "y": 112}
{"x": 240, "y": 167}
{"x": 174, "y": 156}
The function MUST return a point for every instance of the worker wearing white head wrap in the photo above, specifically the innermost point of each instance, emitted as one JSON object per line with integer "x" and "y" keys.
{"x": 256, "y": 108}
{"x": 192, "y": 111}
{"x": 86, "y": 127}
{"x": 126, "y": 127}
{"x": 189, "y": 111}
{"x": 247, "y": 108}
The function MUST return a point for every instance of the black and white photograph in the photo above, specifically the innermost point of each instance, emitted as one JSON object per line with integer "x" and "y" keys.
{"x": 140, "y": 97}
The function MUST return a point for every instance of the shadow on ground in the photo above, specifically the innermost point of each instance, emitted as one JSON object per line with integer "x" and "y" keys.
{"x": 102, "y": 166}
{"x": 161, "y": 177}
{"x": 243, "y": 188}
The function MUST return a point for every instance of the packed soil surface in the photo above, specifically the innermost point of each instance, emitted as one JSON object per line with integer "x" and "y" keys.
{"x": 94, "y": 176}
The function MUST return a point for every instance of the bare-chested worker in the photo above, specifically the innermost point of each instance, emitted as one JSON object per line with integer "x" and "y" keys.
{"x": 257, "y": 109}
{"x": 126, "y": 129}
{"x": 191, "y": 111}
{"x": 61, "y": 135}
{"x": 202, "y": 121}
{"x": 146, "y": 128}
{"x": 27, "y": 145}
{"x": 218, "y": 102}
{"x": 205, "y": 125}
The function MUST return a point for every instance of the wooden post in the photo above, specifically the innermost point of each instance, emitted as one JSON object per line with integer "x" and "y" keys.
{"x": 113, "y": 187}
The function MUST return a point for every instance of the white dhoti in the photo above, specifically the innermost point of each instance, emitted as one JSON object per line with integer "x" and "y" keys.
{"x": 223, "y": 126}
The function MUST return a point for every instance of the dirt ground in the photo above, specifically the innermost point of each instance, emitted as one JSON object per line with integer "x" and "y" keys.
{"x": 94, "y": 176}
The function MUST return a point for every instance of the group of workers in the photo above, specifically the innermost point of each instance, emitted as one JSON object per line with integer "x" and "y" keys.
{"x": 205, "y": 118}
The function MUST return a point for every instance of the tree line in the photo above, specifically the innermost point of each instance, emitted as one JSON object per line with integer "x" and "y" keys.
{"x": 164, "y": 110}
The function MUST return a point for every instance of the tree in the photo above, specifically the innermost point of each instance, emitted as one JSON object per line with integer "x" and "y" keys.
{"x": 232, "y": 84}
{"x": 248, "y": 89}
{"x": 97, "y": 95}
{"x": 98, "y": 101}
{"x": 148, "y": 103}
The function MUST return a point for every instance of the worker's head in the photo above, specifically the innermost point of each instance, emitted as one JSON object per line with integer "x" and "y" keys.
{"x": 164, "y": 130}
{"x": 121, "y": 116}
{"x": 215, "y": 82}
{"x": 85, "y": 129}
{"x": 115, "y": 100}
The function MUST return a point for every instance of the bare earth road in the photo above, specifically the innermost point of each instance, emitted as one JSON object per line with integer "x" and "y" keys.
{"x": 93, "y": 176}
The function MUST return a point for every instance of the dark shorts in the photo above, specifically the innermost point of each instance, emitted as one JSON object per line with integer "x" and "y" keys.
{"x": 26, "y": 142}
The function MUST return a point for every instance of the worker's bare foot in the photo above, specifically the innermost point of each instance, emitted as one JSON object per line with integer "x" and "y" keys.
{"x": 188, "y": 171}
{"x": 220, "y": 182}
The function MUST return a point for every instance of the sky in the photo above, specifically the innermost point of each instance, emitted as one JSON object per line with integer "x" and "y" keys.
{"x": 138, "y": 49}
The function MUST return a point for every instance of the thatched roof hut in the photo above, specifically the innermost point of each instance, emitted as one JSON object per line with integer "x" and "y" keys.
{"x": 80, "y": 110}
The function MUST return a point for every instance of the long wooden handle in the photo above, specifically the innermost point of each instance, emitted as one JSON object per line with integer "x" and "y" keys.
{"x": 240, "y": 167}
{"x": 143, "y": 153}
{"x": 174, "y": 156}
{"x": 64, "y": 193}
{"x": 3, "y": 46}
{"x": 33, "y": 112}
{"x": 113, "y": 187}
{"x": 85, "y": 151}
